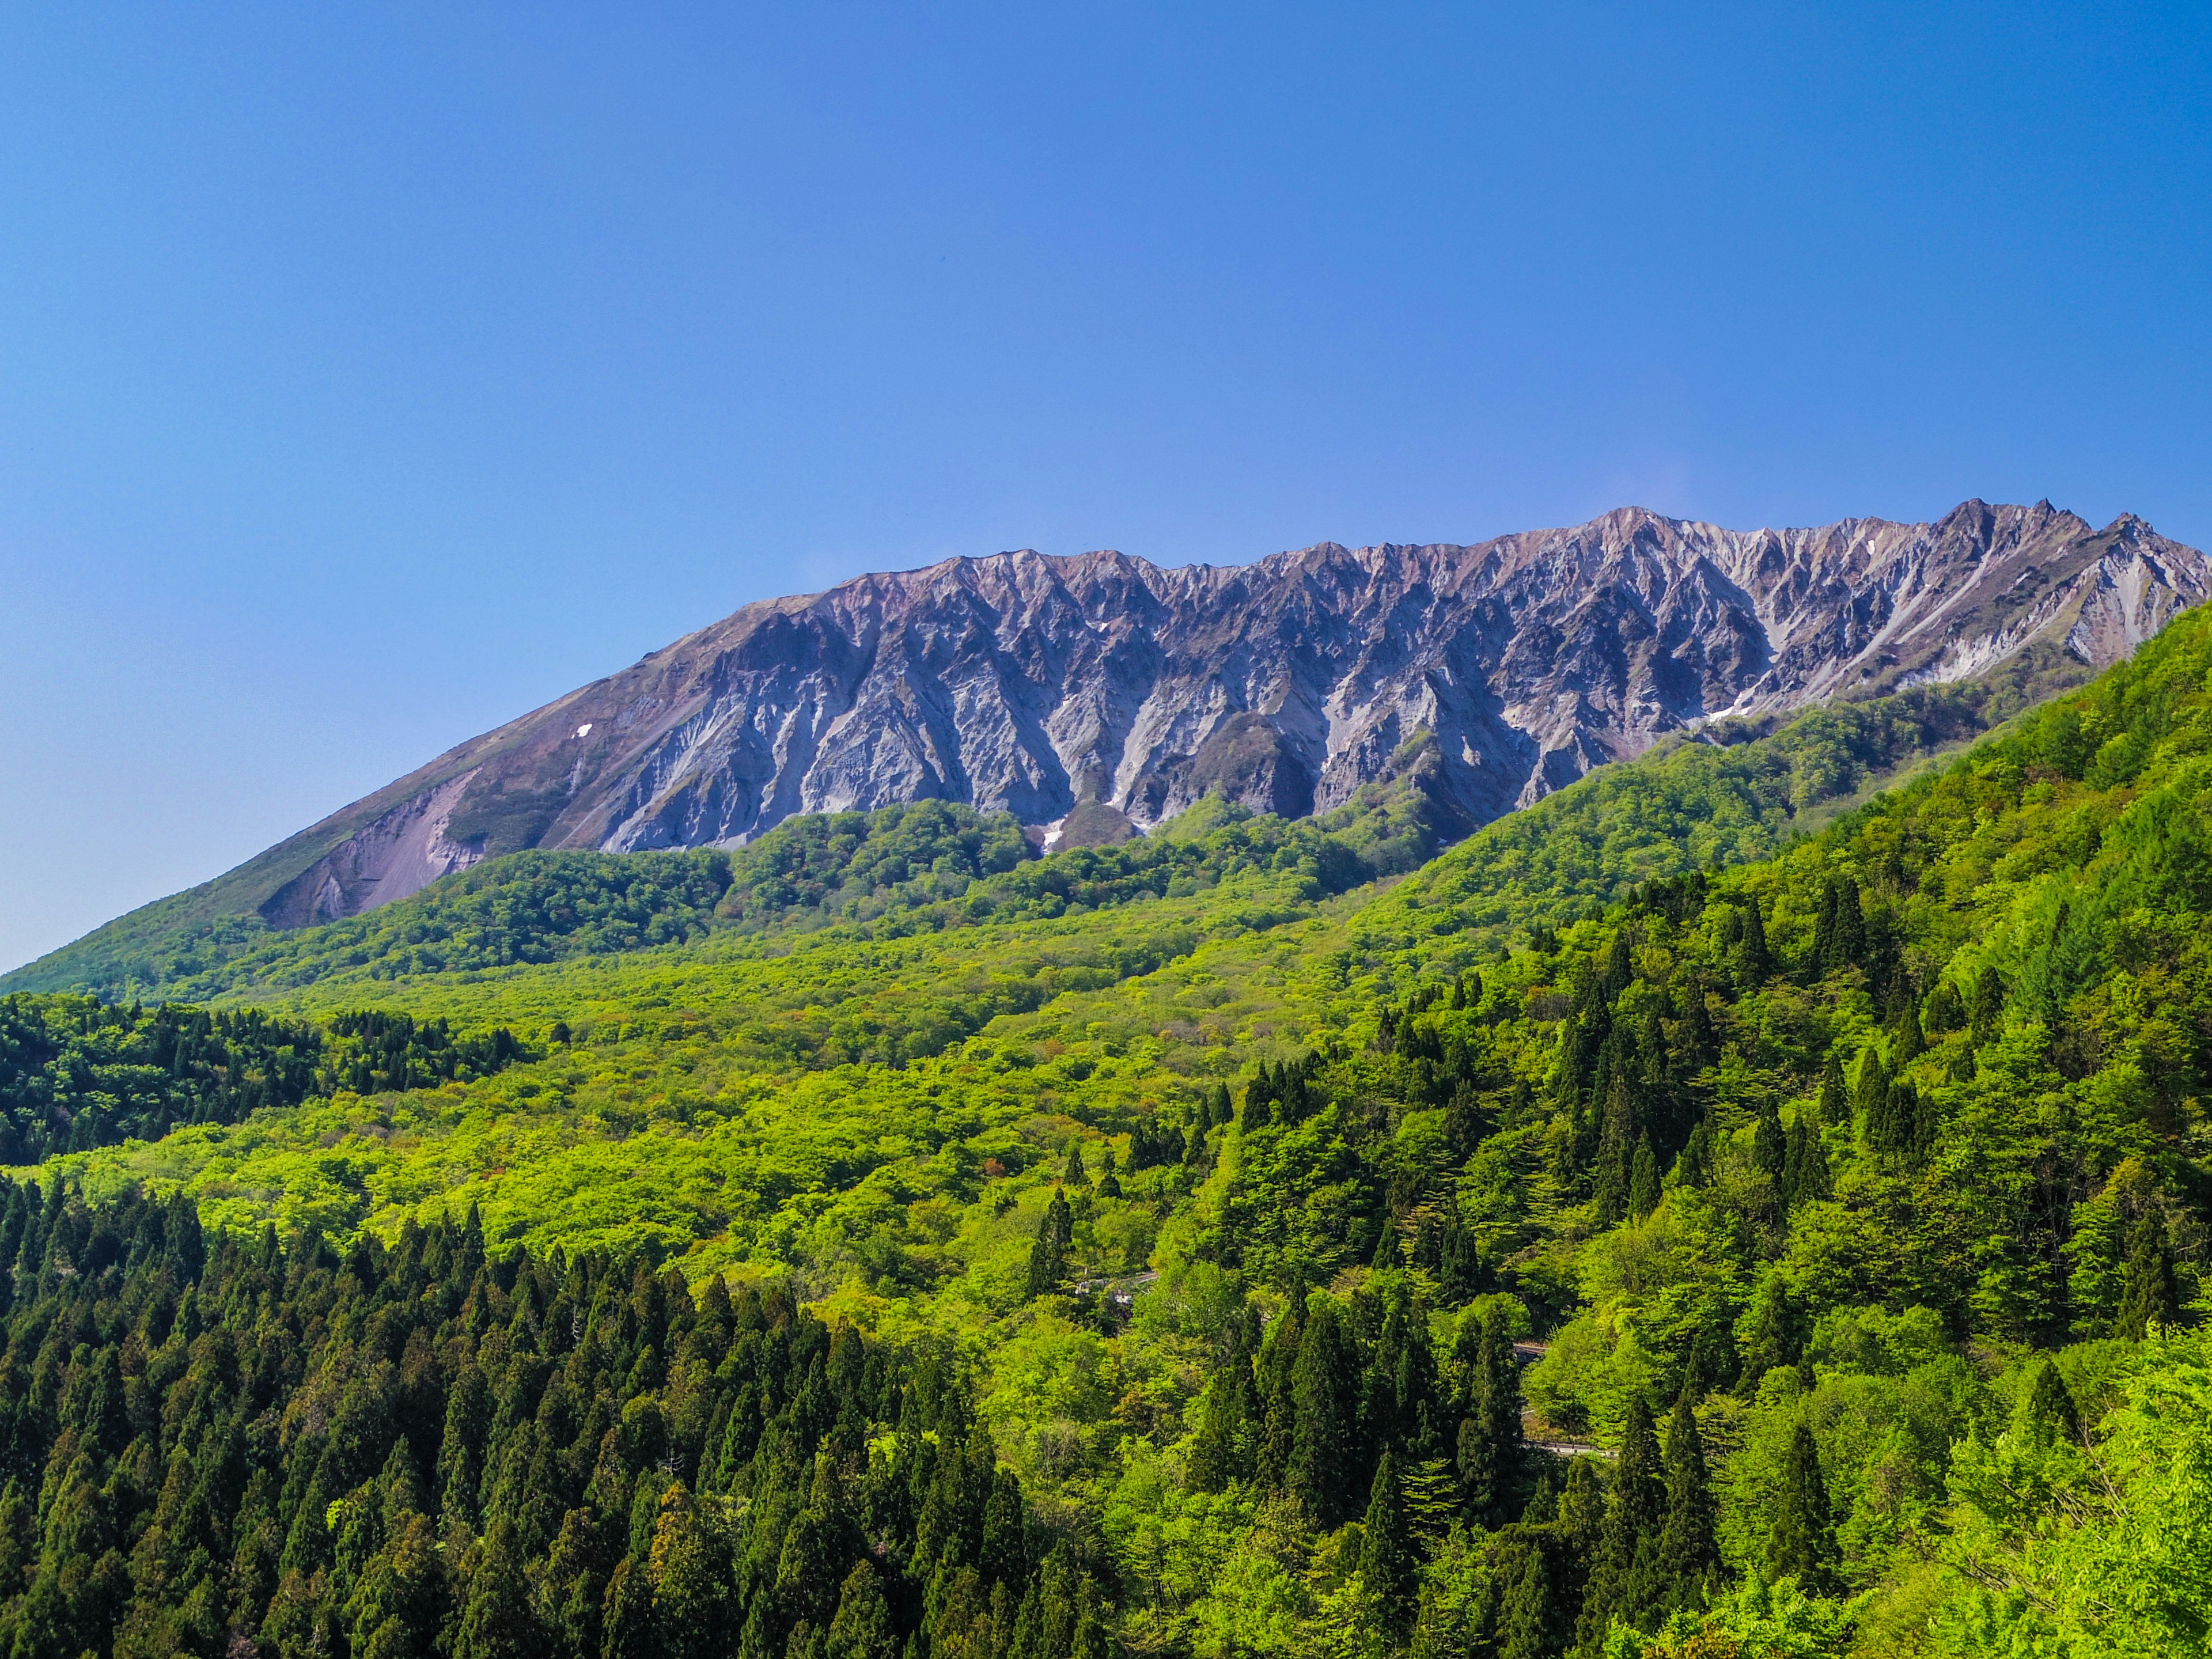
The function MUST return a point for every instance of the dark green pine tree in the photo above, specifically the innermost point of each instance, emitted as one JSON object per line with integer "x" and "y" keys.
{"x": 1644, "y": 1179}
{"x": 1835, "y": 1093}
{"x": 1689, "y": 1556}
{"x": 1847, "y": 934}
{"x": 1769, "y": 1329}
{"x": 1824, "y": 928}
{"x": 1579, "y": 1530}
{"x": 1769, "y": 1150}
{"x": 862, "y": 1628}
{"x": 1755, "y": 961}
{"x": 1615, "y": 1151}
{"x": 1109, "y": 1184}
{"x": 1697, "y": 1043}
{"x": 1077, "y": 1174}
{"x": 1325, "y": 1392}
{"x": 2148, "y": 1295}
{"x": 1049, "y": 1255}
{"x": 497, "y": 1621}
{"x": 1635, "y": 1513}
{"x": 1278, "y": 1379}
{"x": 1810, "y": 1176}
{"x": 1872, "y": 1096}
{"x": 1214, "y": 1455}
{"x": 1490, "y": 1446}
{"x": 1388, "y": 1562}
{"x": 1802, "y": 1542}
{"x": 1532, "y": 1621}
{"x": 1909, "y": 1043}
{"x": 1619, "y": 965}
{"x": 1986, "y": 1015}
{"x": 2050, "y": 1413}
{"x": 1900, "y": 1121}
{"x": 1694, "y": 1167}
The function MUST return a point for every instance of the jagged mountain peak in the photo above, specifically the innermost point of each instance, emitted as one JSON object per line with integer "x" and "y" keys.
{"x": 1037, "y": 684}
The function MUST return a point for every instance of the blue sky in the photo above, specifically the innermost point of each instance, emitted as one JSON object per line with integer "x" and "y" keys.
{"x": 371, "y": 374}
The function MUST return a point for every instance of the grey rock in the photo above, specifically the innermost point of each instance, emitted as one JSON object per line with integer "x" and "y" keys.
{"x": 1100, "y": 694}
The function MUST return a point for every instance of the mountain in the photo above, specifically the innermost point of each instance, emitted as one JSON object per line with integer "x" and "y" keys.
{"x": 1096, "y": 696}
{"x": 1156, "y": 1249}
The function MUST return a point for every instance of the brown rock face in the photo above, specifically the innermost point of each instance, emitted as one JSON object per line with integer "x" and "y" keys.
{"x": 1038, "y": 685}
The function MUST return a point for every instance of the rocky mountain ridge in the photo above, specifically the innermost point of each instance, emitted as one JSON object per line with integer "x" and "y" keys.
{"x": 1105, "y": 694}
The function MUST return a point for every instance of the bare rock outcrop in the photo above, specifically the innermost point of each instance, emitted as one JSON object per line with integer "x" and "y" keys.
{"x": 1101, "y": 692}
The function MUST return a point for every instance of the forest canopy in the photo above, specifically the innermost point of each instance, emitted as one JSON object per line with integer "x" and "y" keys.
{"x": 1718, "y": 1211}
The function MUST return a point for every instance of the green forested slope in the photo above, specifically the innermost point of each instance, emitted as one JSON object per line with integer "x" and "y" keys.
{"x": 1847, "y": 1192}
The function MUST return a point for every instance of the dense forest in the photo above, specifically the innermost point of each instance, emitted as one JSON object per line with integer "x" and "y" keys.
{"x": 1716, "y": 1211}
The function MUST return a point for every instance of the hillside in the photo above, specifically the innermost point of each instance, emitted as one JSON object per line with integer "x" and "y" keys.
{"x": 1852, "y": 1184}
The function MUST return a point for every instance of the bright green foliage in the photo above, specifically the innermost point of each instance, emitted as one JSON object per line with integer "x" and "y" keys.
{"x": 1195, "y": 1200}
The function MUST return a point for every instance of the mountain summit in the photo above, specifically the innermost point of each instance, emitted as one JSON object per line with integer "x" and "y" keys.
{"x": 1102, "y": 694}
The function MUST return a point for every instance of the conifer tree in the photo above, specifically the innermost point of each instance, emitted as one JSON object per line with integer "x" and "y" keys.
{"x": 1697, "y": 1044}
{"x": 1756, "y": 960}
{"x": 1847, "y": 934}
{"x": 2148, "y": 1295}
{"x": 1533, "y": 1622}
{"x": 1615, "y": 1150}
{"x": 1812, "y": 1179}
{"x": 1619, "y": 965}
{"x": 1077, "y": 1175}
{"x": 1689, "y": 1556}
{"x": 1694, "y": 1167}
{"x": 1644, "y": 1179}
{"x": 1987, "y": 1013}
{"x": 1769, "y": 1329}
{"x": 2050, "y": 1413}
{"x": 1835, "y": 1096}
{"x": 1768, "y": 1151}
{"x": 1386, "y": 1558}
{"x": 1800, "y": 1543}
{"x": 1635, "y": 1513}
{"x": 862, "y": 1627}
{"x": 1325, "y": 1390}
{"x": 1049, "y": 1255}
{"x": 1872, "y": 1096}
{"x": 498, "y": 1621}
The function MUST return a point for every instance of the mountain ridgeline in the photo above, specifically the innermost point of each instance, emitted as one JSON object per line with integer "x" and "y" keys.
{"x": 1754, "y": 1199}
{"x": 1090, "y": 698}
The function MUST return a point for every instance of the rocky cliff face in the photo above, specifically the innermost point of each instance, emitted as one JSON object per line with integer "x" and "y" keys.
{"x": 1039, "y": 685}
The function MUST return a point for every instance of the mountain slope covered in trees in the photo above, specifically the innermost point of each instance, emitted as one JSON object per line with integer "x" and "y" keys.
{"x": 1266, "y": 1246}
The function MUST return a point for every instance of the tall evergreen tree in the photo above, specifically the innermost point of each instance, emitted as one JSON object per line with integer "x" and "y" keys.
{"x": 1644, "y": 1179}
{"x": 1325, "y": 1458}
{"x": 1388, "y": 1561}
{"x": 1755, "y": 961}
{"x": 1615, "y": 1150}
{"x": 1689, "y": 1557}
{"x": 1532, "y": 1622}
{"x": 1800, "y": 1543}
{"x": 2049, "y": 1414}
{"x": 1635, "y": 1514}
{"x": 862, "y": 1627}
{"x": 1049, "y": 1255}
{"x": 2148, "y": 1295}
{"x": 1835, "y": 1095}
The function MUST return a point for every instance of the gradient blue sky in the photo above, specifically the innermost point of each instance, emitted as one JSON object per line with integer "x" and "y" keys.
{"x": 371, "y": 374}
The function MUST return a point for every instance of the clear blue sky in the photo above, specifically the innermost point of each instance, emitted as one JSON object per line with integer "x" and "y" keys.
{"x": 369, "y": 375}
